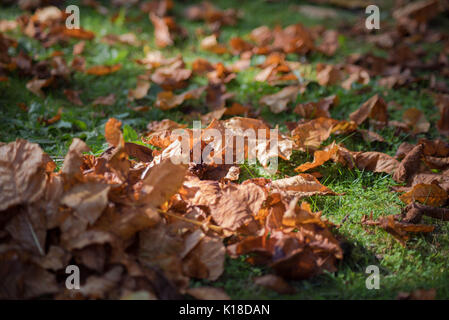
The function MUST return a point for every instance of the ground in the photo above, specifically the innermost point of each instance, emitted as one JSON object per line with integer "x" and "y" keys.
{"x": 421, "y": 264}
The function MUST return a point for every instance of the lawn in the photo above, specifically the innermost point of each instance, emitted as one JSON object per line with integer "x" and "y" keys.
{"x": 420, "y": 264}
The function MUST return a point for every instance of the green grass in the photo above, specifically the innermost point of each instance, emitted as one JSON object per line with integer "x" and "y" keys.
{"x": 421, "y": 264}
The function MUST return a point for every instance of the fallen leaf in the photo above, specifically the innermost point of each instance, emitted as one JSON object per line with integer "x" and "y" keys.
{"x": 22, "y": 171}
{"x": 416, "y": 120}
{"x": 208, "y": 293}
{"x": 87, "y": 199}
{"x": 168, "y": 100}
{"x": 275, "y": 283}
{"x": 112, "y": 132}
{"x": 161, "y": 31}
{"x": 301, "y": 186}
{"x": 375, "y": 108}
{"x": 430, "y": 194}
{"x": 278, "y": 102}
{"x": 319, "y": 157}
{"x": 103, "y": 70}
{"x": 141, "y": 90}
{"x": 108, "y": 100}
{"x": 73, "y": 96}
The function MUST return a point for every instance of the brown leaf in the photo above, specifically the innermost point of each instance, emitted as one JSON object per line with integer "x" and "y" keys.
{"x": 328, "y": 75}
{"x": 278, "y": 101}
{"x": 168, "y": 100}
{"x": 301, "y": 186}
{"x": 319, "y": 157}
{"x": 88, "y": 200}
{"x": 79, "y": 33}
{"x": 56, "y": 259}
{"x": 299, "y": 255}
{"x": 210, "y": 43}
{"x": 51, "y": 120}
{"x": 236, "y": 109}
{"x": 161, "y": 31}
{"x": 311, "y": 134}
{"x": 113, "y": 133}
{"x": 216, "y": 96}
{"x": 139, "y": 152}
{"x": 108, "y": 100}
{"x": 416, "y": 120}
{"x": 29, "y": 229}
{"x": 172, "y": 77}
{"x": 23, "y": 279}
{"x": 103, "y": 70}
{"x": 430, "y": 194}
{"x": 141, "y": 90}
{"x": 127, "y": 38}
{"x": 275, "y": 283}
{"x": 74, "y": 158}
{"x": 213, "y": 115}
{"x": 375, "y": 108}
{"x": 375, "y": 162}
{"x": 36, "y": 86}
{"x": 73, "y": 96}
{"x": 419, "y": 294}
{"x": 231, "y": 206}
{"x": 329, "y": 44}
{"x": 399, "y": 230}
{"x": 208, "y": 293}
{"x": 442, "y": 102}
{"x": 421, "y": 11}
{"x": 163, "y": 180}
{"x": 98, "y": 287}
{"x": 127, "y": 221}
{"x": 414, "y": 211}
{"x": 159, "y": 247}
{"x": 8, "y": 25}
{"x": 201, "y": 66}
{"x": 316, "y": 109}
{"x": 409, "y": 165}
{"x": 205, "y": 260}
{"x": 79, "y": 48}
{"x": 165, "y": 124}
{"x": 22, "y": 173}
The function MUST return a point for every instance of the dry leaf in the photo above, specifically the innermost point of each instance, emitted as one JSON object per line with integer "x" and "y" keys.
{"x": 430, "y": 194}
{"x": 300, "y": 186}
{"x": 416, "y": 120}
{"x": 375, "y": 108}
{"x": 208, "y": 293}
{"x": 275, "y": 283}
{"x": 103, "y": 70}
{"x": 278, "y": 101}
{"x": 141, "y": 90}
{"x": 22, "y": 173}
{"x": 108, "y": 100}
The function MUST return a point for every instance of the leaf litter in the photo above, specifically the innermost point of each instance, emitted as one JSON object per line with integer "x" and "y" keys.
{"x": 137, "y": 222}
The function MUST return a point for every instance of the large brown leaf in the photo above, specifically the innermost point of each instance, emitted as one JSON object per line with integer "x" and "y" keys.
{"x": 430, "y": 194}
{"x": 300, "y": 186}
{"x": 231, "y": 206}
{"x": 375, "y": 108}
{"x": 87, "y": 199}
{"x": 278, "y": 102}
{"x": 22, "y": 173}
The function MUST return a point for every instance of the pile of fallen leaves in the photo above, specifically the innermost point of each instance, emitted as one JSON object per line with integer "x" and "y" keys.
{"x": 147, "y": 224}
{"x": 139, "y": 225}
